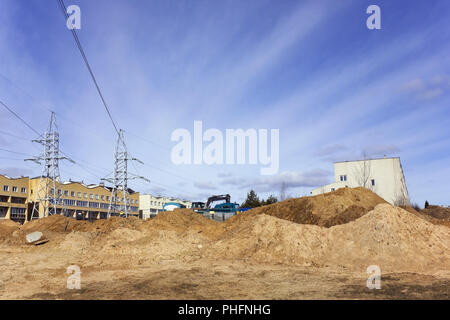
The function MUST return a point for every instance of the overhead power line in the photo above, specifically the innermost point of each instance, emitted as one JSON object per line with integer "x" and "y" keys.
{"x": 171, "y": 172}
{"x": 39, "y": 134}
{"x": 18, "y": 117}
{"x": 11, "y": 151}
{"x": 80, "y": 48}
{"x": 14, "y": 136}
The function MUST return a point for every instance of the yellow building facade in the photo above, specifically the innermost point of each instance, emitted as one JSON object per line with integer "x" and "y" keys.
{"x": 13, "y": 197}
{"x": 81, "y": 201}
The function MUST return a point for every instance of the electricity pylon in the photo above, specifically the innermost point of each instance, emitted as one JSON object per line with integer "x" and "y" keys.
{"x": 119, "y": 192}
{"x": 47, "y": 194}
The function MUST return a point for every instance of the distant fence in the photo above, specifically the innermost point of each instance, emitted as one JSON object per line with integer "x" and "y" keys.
{"x": 218, "y": 216}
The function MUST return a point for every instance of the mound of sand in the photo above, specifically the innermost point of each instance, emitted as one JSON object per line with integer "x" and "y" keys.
{"x": 434, "y": 215}
{"x": 61, "y": 224}
{"x": 389, "y": 237}
{"x": 56, "y": 223}
{"x": 7, "y": 228}
{"x": 113, "y": 223}
{"x": 182, "y": 220}
{"x": 392, "y": 238}
{"x": 263, "y": 238}
{"x": 329, "y": 209}
{"x": 76, "y": 242}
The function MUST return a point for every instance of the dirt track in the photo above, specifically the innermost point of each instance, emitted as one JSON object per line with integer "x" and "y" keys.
{"x": 181, "y": 255}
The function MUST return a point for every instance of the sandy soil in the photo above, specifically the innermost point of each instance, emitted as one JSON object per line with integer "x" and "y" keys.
{"x": 42, "y": 275}
{"x": 181, "y": 255}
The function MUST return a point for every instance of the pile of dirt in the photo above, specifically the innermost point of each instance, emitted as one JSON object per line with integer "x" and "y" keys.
{"x": 387, "y": 236}
{"x": 437, "y": 212}
{"x": 76, "y": 242}
{"x": 265, "y": 239}
{"x": 126, "y": 247}
{"x": 182, "y": 220}
{"x": 436, "y": 215}
{"x": 61, "y": 224}
{"x": 328, "y": 209}
{"x": 7, "y": 228}
{"x": 113, "y": 223}
{"x": 56, "y": 223}
{"x": 391, "y": 238}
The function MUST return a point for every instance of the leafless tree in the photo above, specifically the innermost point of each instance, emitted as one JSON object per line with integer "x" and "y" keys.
{"x": 363, "y": 173}
{"x": 283, "y": 191}
{"x": 401, "y": 199}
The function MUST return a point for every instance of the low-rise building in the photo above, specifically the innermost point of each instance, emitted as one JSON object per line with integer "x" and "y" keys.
{"x": 19, "y": 195}
{"x": 151, "y": 205}
{"x": 13, "y": 197}
{"x": 383, "y": 176}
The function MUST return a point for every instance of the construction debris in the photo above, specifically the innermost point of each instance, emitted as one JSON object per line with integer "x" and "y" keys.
{"x": 34, "y": 236}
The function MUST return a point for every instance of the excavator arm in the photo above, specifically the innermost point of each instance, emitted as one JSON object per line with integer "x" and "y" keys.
{"x": 212, "y": 199}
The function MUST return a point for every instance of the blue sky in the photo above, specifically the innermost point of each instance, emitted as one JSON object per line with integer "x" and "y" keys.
{"x": 312, "y": 69}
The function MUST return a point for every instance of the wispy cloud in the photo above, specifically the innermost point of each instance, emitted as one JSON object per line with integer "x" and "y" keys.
{"x": 273, "y": 183}
{"x": 205, "y": 185}
{"x": 311, "y": 69}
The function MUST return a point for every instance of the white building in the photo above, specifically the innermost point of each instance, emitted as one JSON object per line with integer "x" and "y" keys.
{"x": 151, "y": 205}
{"x": 383, "y": 176}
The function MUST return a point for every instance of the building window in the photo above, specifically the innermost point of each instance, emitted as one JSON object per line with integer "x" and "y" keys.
{"x": 332, "y": 189}
{"x": 72, "y": 193}
{"x": 344, "y": 178}
{"x": 14, "y": 189}
{"x": 5, "y": 188}
{"x": 91, "y": 196}
{"x": 107, "y": 198}
{"x": 66, "y": 193}
{"x": 52, "y": 191}
{"x": 23, "y": 190}
{"x": 103, "y": 197}
{"x": 79, "y": 194}
{"x": 85, "y": 195}
{"x": 59, "y": 192}
{"x": 373, "y": 182}
{"x": 96, "y": 197}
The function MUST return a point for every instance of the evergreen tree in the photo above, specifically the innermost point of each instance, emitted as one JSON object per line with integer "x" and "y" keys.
{"x": 252, "y": 200}
{"x": 271, "y": 199}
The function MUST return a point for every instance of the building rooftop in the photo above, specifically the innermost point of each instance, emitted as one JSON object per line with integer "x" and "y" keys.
{"x": 8, "y": 177}
{"x": 385, "y": 158}
{"x": 90, "y": 186}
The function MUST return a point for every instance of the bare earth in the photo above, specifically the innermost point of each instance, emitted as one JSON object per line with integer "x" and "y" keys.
{"x": 21, "y": 279}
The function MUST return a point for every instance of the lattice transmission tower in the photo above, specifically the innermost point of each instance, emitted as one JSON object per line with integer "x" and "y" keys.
{"x": 47, "y": 195}
{"x": 119, "y": 203}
